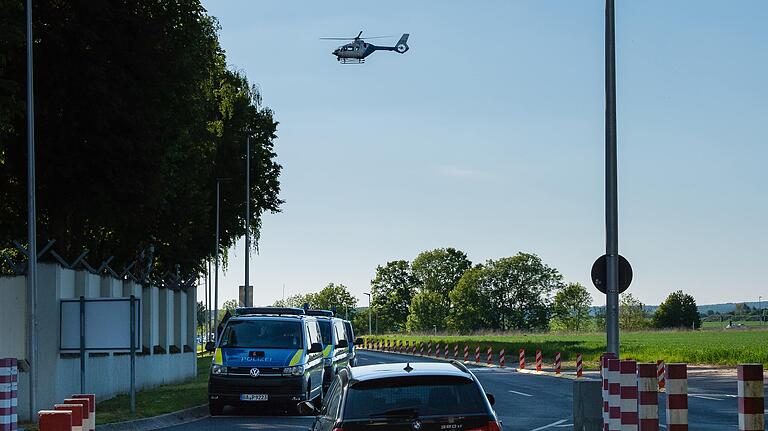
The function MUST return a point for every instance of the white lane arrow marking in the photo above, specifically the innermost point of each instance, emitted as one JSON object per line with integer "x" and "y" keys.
{"x": 521, "y": 393}
{"x": 552, "y": 425}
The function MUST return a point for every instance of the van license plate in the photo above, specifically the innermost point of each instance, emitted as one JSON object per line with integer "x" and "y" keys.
{"x": 253, "y": 397}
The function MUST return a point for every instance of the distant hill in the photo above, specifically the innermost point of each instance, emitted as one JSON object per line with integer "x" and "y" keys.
{"x": 717, "y": 308}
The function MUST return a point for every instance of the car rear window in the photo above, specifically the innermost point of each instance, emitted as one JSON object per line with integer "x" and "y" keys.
{"x": 420, "y": 395}
{"x": 266, "y": 334}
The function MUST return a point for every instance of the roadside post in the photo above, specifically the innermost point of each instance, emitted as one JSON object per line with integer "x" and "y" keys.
{"x": 751, "y": 398}
{"x": 648, "y": 398}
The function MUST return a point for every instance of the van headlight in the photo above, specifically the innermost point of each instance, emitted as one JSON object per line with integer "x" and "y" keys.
{"x": 297, "y": 370}
{"x": 218, "y": 369}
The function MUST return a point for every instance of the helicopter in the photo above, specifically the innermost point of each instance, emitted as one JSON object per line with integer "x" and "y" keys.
{"x": 356, "y": 51}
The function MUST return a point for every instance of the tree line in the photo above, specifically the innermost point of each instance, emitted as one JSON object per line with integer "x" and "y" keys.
{"x": 137, "y": 115}
{"x": 442, "y": 290}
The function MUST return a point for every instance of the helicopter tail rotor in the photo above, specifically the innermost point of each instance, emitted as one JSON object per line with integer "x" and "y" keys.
{"x": 402, "y": 44}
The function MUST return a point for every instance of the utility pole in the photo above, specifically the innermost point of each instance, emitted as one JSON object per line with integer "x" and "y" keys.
{"x": 247, "y": 212}
{"x": 31, "y": 222}
{"x": 611, "y": 185}
{"x": 369, "y": 311}
{"x": 216, "y": 264}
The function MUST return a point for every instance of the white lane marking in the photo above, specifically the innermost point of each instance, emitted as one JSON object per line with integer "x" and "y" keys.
{"x": 552, "y": 425}
{"x": 704, "y": 397}
{"x": 521, "y": 393}
{"x": 564, "y": 426}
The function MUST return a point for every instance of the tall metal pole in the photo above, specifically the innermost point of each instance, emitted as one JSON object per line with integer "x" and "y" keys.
{"x": 611, "y": 184}
{"x": 206, "y": 302}
{"x": 208, "y": 321}
{"x": 369, "y": 312}
{"x": 31, "y": 222}
{"x": 247, "y": 214}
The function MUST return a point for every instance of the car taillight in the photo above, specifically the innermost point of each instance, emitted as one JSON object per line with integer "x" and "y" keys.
{"x": 491, "y": 426}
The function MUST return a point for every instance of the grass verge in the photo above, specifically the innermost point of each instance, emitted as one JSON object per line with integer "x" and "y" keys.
{"x": 159, "y": 400}
{"x": 692, "y": 347}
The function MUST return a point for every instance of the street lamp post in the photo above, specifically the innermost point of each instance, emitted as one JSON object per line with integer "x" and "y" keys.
{"x": 247, "y": 214}
{"x": 216, "y": 264}
{"x": 369, "y": 311}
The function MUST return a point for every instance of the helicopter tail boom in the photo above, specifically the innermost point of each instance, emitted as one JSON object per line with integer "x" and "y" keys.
{"x": 402, "y": 44}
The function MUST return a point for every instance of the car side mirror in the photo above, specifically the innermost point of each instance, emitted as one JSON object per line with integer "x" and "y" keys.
{"x": 359, "y": 341}
{"x": 210, "y": 346}
{"x": 342, "y": 343}
{"x": 491, "y": 398}
{"x": 315, "y": 348}
{"x": 306, "y": 408}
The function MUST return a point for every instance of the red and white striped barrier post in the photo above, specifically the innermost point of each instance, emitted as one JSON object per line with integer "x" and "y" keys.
{"x": 676, "y": 376}
{"x": 477, "y": 354}
{"x": 445, "y": 354}
{"x": 614, "y": 395}
{"x": 490, "y": 355}
{"x": 437, "y": 350}
{"x": 88, "y": 422}
{"x": 522, "y": 359}
{"x": 92, "y": 405}
{"x": 579, "y": 365}
{"x": 502, "y": 359}
{"x": 604, "y": 376}
{"x": 466, "y": 353}
{"x": 751, "y": 398}
{"x": 429, "y": 349}
{"x": 455, "y": 351}
{"x": 557, "y": 362}
{"x": 539, "y": 359}
{"x": 648, "y": 398}
{"x": 628, "y": 379}
{"x": 54, "y": 420}
{"x": 9, "y": 372}
{"x": 660, "y": 373}
{"x": 77, "y": 414}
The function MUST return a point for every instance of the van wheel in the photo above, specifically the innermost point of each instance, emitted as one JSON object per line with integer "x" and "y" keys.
{"x": 215, "y": 408}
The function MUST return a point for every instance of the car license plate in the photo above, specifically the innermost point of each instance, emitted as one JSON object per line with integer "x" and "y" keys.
{"x": 254, "y": 397}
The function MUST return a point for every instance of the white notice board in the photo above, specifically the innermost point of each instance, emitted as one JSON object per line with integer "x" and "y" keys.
{"x": 107, "y": 324}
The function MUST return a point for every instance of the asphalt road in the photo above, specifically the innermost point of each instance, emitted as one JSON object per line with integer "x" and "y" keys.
{"x": 524, "y": 402}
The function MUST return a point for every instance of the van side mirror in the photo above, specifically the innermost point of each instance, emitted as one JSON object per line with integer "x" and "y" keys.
{"x": 210, "y": 346}
{"x": 491, "y": 398}
{"x": 342, "y": 343}
{"x": 315, "y": 348}
{"x": 359, "y": 341}
{"x": 306, "y": 408}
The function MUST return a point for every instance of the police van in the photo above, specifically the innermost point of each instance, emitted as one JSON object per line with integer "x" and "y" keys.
{"x": 266, "y": 355}
{"x": 353, "y": 346}
{"x": 336, "y": 344}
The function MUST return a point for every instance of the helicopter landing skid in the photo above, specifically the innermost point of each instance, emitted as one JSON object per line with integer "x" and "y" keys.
{"x": 351, "y": 60}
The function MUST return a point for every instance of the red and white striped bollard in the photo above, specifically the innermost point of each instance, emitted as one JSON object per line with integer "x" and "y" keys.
{"x": 648, "y": 398}
{"x": 490, "y": 355}
{"x": 466, "y": 353}
{"x": 557, "y": 362}
{"x": 54, "y": 420}
{"x": 456, "y": 351}
{"x": 77, "y": 414}
{"x": 522, "y": 359}
{"x": 477, "y": 354}
{"x": 660, "y": 373}
{"x": 579, "y": 365}
{"x": 751, "y": 398}
{"x": 676, "y": 376}
{"x": 614, "y": 394}
{"x": 8, "y": 394}
{"x": 628, "y": 379}
{"x": 539, "y": 359}
{"x": 604, "y": 376}
{"x": 502, "y": 359}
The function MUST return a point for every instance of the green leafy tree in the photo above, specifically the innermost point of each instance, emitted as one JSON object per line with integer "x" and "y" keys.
{"x": 470, "y": 302}
{"x": 632, "y": 316}
{"x": 391, "y": 292}
{"x": 677, "y": 311}
{"x": 439, "y": 270}
{"x": 334, "y": 296}
{"x": 136, "y": 116}
{"x": 298, "y": 300}
{"x": 570, "y": 307}
{"x": 428, "y": 312}
{"x": 520, "y": 290}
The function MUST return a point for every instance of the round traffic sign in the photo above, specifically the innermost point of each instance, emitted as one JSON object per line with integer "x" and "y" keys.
{"x": 599, "y": 271}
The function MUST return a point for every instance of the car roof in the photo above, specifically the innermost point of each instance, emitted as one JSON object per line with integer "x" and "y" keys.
{"x": 288, "y": 318}
{"x": 384, "y": 371}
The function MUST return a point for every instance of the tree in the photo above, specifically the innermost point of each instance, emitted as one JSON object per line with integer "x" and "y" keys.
{"x": 229, "y": 306}
{"x": 470, "y": 302}
{"x": 520, "y": 289}
{"x": 571, "y": 306}
{"x": 334, "y": 296}
{"x": 631, "y": 313}
{"x": 428, "y": 312}
{"x": 439, "y": 270}
{"x": 391, "y": 292}
{"x": 677, "y": 311}
{"x": 298, "y": 300}
{"x": 136, "y": 115}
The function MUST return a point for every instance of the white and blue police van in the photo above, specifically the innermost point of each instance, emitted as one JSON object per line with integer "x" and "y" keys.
{"x": 266, "y": 355}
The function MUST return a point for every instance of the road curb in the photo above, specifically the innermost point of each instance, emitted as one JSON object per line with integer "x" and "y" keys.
{"x": 167, "y": 420}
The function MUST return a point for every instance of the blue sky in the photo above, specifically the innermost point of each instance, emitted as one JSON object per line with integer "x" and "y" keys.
{"x": 487, "y": 136}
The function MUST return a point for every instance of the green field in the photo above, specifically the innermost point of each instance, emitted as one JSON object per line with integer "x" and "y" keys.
{"x": 692, "y": 347}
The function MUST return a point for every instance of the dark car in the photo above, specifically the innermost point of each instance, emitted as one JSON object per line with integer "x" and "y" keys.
{"x": 423, "y": 396}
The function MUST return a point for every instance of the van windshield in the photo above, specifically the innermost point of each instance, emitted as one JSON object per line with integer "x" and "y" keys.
{"x": 325, "y": 331}
{"x": 266, "y": 334}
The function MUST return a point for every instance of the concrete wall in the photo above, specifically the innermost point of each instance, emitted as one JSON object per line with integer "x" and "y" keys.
{"x": 167, "y": 317}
